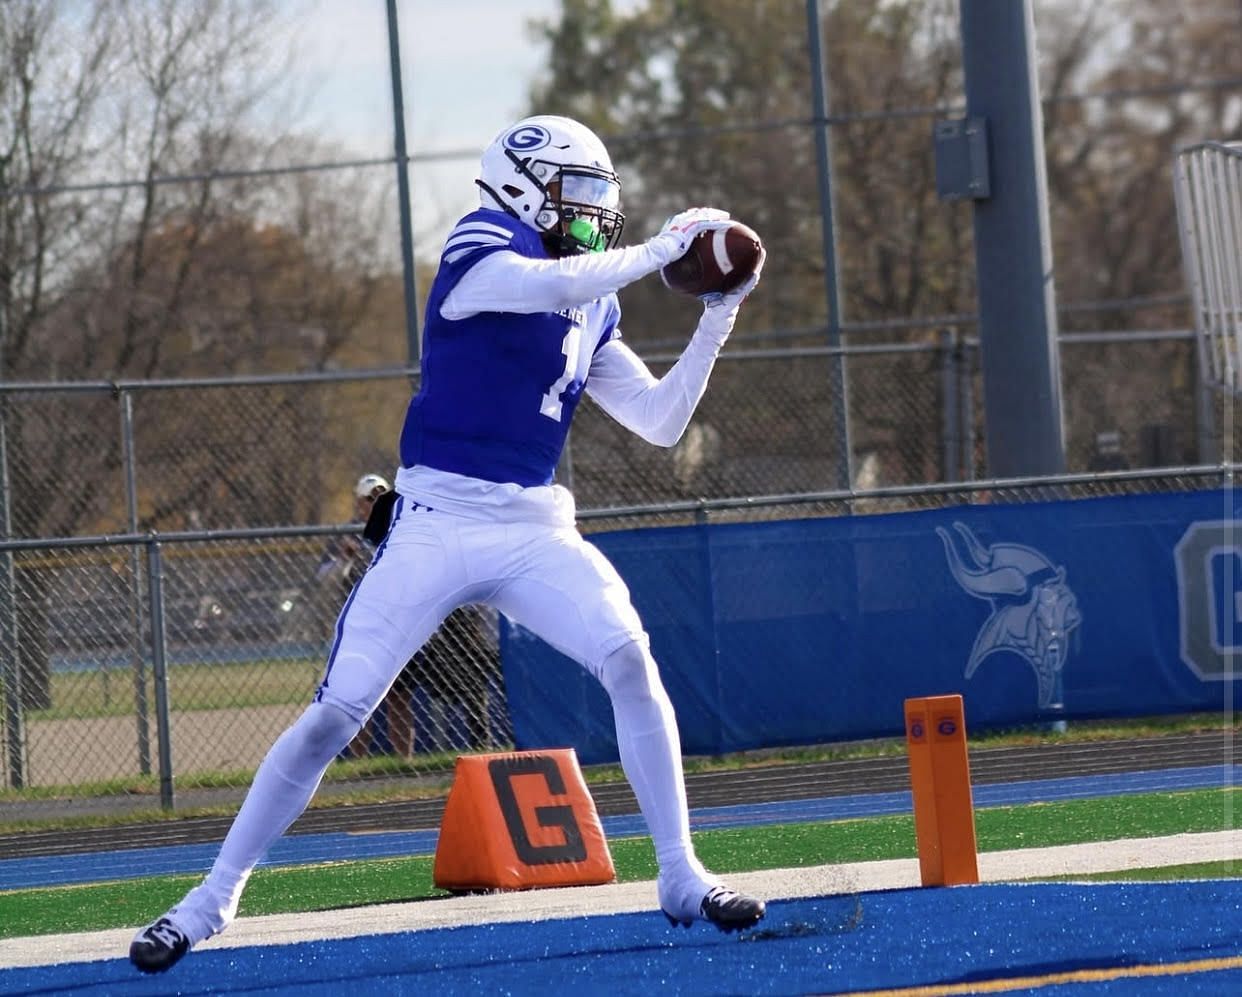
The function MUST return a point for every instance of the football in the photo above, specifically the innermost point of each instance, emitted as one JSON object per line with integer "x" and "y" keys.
{"x": 717, "y": 261}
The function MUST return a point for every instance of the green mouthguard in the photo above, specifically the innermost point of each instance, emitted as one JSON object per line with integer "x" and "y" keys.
{"x": 587, "y": 234}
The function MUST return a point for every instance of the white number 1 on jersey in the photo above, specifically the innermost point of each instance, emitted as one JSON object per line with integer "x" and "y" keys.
{"x": 551, "y": 404}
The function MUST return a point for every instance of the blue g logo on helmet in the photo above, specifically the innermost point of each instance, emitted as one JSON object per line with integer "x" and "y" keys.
{"x": 527, "y": 138}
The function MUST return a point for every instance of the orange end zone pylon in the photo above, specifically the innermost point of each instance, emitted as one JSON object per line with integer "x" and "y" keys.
{"x": 944, "y": 814}
{"x": 518, "y": 820}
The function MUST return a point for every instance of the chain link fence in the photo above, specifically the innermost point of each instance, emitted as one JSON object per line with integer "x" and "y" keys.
{"x": 138, "y": 660}
{"x": 155, "y": 671}
{"x": 85, "y": 458}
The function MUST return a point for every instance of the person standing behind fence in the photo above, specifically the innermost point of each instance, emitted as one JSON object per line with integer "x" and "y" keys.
{"x": 522, "y": 317}
{"x": 345, "y": 559}
{"x": 458, "y": 667}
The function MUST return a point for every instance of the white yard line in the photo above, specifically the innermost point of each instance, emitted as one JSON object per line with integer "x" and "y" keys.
{"x": 583, "y": 901}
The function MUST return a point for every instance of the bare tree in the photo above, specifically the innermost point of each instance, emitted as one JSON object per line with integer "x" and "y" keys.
{"x": 133, "y": 250}
{"x": 130, "y": 248}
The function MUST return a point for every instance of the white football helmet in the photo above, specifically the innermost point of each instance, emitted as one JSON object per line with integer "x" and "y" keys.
{"x": 554, "y": 174}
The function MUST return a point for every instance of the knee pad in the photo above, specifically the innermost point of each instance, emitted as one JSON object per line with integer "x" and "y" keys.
{"x": 630, "y": 672}
{"x": 323, "y": 731}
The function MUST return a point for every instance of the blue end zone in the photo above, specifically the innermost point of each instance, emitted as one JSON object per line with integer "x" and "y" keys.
{"x": 1175, "y": 938}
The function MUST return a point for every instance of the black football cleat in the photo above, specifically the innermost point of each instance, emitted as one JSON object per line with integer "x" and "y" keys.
{"x": 731, "y": 911}
{"x": 158, "y": 946}
{"x": 727, "y": 909}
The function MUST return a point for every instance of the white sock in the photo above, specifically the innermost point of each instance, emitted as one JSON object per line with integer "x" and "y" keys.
{"x": 282, "y": 788}
{"x": 651, "y": 757}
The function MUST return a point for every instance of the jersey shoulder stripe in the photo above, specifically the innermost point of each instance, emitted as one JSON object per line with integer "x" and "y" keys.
{"x": 469, "y": 224}
{"x": 473, "y": 234}
{"x": 466, "y": 245}
{"x": 464, "y": 236}
{"x": 465, "y": 233}
{"x": 480, "y": 230}
{"x": 483, "y": 232}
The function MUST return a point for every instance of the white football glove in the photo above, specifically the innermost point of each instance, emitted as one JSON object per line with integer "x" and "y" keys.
{"x": 673, "y": 241}
{"x": 720, "y": 310}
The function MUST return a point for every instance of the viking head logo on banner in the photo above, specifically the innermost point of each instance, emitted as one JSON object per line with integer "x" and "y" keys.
{"x": 1033, "y": 610}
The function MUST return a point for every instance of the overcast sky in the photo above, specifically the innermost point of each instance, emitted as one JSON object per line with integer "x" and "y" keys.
{"x": 467, "y": 66}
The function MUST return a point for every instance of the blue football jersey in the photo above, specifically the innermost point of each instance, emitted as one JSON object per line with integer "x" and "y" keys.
{"x": 499, "y": 388}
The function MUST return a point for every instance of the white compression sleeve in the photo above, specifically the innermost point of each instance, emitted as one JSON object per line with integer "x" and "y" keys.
{"x": 507, "y": 282}
{"x": 658, "y": 410}
{"x": 650, "y": 749}
{"x": 282, "y": 788}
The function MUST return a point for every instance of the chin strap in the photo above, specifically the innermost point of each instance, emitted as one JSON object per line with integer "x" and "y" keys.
{"x": 500, "y": 203}
{"x": 559, "y": 246}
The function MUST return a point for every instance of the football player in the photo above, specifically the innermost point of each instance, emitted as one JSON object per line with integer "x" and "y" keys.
{"x": 522, "y": 318}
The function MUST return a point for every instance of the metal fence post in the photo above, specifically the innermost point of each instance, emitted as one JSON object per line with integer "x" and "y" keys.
{"x": 967, "y": 354}
{"x": 413, "y": 344}
{"x": 1207, "y": 443}
{"x": 10, "y": 661}
{"x": 135, "y": 583}
{"x": 828, "y": 228}
{"x": 950, "y": 406}
{"x": 159, "y": 670}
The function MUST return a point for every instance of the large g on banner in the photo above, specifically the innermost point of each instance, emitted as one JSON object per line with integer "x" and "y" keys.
{"x": 1209, "y": 598}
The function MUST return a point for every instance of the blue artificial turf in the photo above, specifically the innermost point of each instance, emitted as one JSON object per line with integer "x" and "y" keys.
{"x": 889, "y": 939}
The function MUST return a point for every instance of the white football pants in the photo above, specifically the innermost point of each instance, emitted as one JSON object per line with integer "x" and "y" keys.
{"x": 549, "y": 580}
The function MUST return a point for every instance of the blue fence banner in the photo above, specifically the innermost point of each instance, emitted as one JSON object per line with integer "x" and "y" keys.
{"x": 816, "y": 630}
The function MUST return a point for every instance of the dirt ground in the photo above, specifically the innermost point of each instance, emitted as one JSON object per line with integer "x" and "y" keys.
{"x": 96, "y": 749}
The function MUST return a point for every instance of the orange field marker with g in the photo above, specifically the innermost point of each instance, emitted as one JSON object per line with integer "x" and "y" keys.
{"x": 520, "y": 820}
{"x": 944, "y": 813}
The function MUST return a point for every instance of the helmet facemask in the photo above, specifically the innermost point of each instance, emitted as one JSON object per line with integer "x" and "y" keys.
{"x": 581, "y": 206}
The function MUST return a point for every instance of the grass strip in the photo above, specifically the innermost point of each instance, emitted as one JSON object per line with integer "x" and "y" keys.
{"x": 352, "y": 883}
{"x": 1225, "y": 869}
